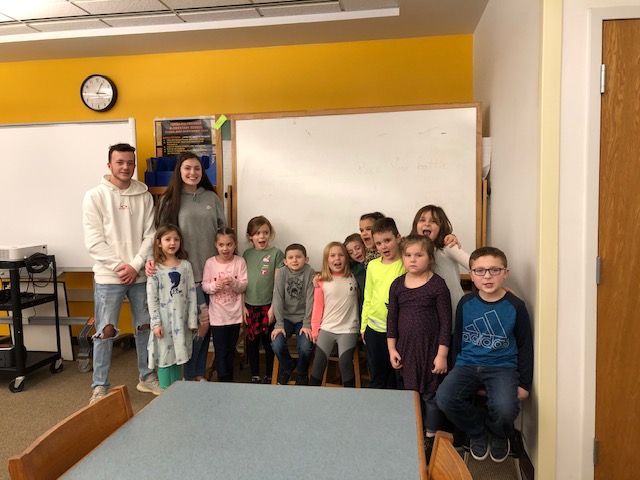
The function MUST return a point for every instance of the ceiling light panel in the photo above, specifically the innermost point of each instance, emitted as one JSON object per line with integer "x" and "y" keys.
{"x": 182, "y": 4}
{"x": 236, "y": 14}
{"x": 80, "y": 24}
{"x": 283, "y": 11}
{"x": 36, "y": 10}
{"x": 105, "y": 7}
{"x": 136, "y": 21}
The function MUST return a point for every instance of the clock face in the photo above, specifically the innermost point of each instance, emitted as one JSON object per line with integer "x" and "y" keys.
{"x": 98, "y": 93}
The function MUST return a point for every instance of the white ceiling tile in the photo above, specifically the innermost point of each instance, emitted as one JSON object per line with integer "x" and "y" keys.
{"x": 44, "y": 9}
{"x": 352, "y": 5}
{"x": 79, "y": 24}
{"x": 5, "y": 19}
{"x": 102, "y": 7}
{"x": 237, "y": 14}
{"x": 15, "y": 29}
{"x": 182, "y": 4}
{"x": 300, "y": 10}
{"x": 134, "y": 21}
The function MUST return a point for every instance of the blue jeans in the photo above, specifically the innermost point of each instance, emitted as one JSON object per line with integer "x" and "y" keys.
{"x": 455, "y": 399}
{"x": 305, "y": 348}
{"x": 108, "y": 300}
{"x": 197, "y": 364}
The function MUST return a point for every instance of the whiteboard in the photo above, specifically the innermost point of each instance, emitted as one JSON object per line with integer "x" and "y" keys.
{"x": 46, "y": 170}
{"x": 313, "y": 176}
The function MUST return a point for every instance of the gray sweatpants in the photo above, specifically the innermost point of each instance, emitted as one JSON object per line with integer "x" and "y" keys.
{"x": 324, "y": 346}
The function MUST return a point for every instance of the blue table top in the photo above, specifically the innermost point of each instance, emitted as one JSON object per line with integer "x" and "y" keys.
{"x": 217, "y": 430}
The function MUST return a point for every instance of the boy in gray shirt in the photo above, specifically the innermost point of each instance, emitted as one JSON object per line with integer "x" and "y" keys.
{"x": 292, "y": 303}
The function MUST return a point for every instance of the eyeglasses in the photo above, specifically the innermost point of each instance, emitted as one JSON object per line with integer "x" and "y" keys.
{"x": 493, "y": 271}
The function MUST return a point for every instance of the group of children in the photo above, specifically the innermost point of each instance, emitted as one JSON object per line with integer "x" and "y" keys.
{"x": 398, "y": 295}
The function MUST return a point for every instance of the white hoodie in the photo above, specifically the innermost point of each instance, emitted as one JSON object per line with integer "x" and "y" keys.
{"x": 118, "y": 228}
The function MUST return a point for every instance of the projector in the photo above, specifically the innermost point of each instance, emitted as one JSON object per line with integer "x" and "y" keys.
{"x": 20, "y": 252}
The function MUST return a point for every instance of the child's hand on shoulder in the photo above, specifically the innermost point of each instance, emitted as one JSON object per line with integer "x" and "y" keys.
{"x": 157, "y": 332}
{"x": 452, "y": 241}
{"x": 507, "y": 289}
{"x": 316, "y": 280}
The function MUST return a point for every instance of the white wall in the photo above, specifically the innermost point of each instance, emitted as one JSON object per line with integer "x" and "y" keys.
{"x": 579, "y": 158}
{"x": 506, "y": 58}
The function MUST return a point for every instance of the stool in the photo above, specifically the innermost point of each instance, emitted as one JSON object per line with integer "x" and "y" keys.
{"x": 335, "y": 379}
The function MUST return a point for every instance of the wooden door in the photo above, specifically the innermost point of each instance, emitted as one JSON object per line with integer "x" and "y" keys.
{"x": 618, "y": 337}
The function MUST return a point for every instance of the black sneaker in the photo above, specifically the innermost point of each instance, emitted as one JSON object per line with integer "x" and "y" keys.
{"x": 302, "y": 379}
{"x": 266, "y": 380}
{"x": 428, "y": 447}
{"x": 283, "y": 377}
{"x": 479, "y": 447}
{"x": 499, "y": 449}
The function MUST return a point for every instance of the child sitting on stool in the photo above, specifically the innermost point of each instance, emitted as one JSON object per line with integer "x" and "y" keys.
{"x": 493, "y": 350}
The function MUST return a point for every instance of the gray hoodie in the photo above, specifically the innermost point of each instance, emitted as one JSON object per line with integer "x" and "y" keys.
{"x": 201, "y": 214}
{"x": 293, "y": 296}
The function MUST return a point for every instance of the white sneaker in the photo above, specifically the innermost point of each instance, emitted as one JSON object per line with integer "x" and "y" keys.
{"x": 149, "y": 385}
{"x": 98, "y": 392}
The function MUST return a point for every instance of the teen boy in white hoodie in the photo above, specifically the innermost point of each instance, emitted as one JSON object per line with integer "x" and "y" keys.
{"x": 118, "y": 233}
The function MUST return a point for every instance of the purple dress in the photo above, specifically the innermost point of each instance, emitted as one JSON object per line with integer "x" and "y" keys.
{"x": 420, "y": 320}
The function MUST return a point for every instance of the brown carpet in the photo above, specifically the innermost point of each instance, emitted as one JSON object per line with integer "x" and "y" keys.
{"x": 48, "y": 398}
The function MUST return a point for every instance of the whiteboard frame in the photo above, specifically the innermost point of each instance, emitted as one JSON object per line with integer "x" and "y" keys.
{"x": 480, "y": 219}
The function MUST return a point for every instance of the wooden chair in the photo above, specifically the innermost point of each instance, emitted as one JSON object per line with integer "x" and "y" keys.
{"x": 65, "y": 444}
{"x": 446, "y": 463}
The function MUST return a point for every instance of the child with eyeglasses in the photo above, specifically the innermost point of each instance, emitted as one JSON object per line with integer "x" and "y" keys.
{"x": 493, "y": 351}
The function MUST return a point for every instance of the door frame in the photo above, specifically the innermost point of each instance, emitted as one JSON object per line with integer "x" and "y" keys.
{"x": 597, "y": 17}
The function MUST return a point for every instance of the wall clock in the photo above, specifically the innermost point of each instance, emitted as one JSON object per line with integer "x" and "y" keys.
{"x": 98, "y": 92}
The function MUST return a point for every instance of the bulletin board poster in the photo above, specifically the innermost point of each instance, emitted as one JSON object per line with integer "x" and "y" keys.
{"x": 177, "y": 135}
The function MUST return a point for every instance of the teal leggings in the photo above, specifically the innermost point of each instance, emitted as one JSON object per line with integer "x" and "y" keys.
{"x": 168, "y": 375}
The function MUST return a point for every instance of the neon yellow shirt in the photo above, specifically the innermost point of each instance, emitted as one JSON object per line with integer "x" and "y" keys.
{"x": 380, "y": 276}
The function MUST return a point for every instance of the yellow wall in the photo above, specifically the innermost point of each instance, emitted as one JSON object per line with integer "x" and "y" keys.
{"x": 358, "y": 74}
{"x": 306, "y": 77}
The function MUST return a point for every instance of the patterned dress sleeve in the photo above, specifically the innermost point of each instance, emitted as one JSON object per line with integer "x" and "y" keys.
{"x": 443, "y": 307}
{"x": 153, "y": 300}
